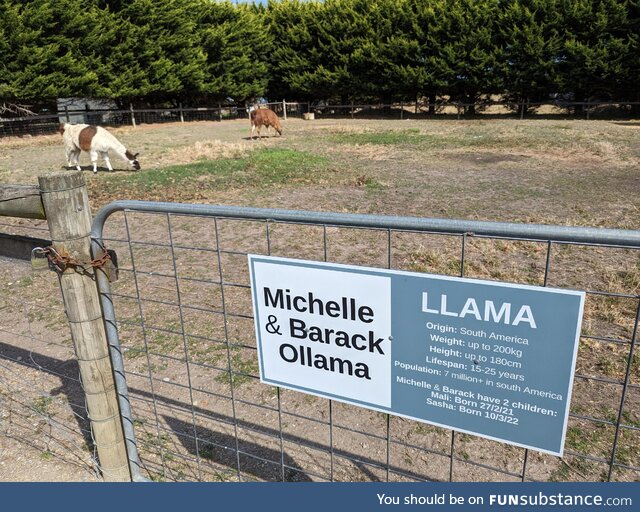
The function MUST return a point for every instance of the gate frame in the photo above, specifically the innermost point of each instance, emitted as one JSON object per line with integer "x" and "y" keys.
{"x": 611, "y": 238}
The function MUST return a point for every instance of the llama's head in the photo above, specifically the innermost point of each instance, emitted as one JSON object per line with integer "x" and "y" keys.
{"x": 133, "y": 160}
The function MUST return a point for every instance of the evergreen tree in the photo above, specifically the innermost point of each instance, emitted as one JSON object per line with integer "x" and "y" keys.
{"x": 9, "y": 23}
{"x": 596, "y": 47}
{"x": 471, "y": 51}
{"x": 528, "y": 34}
{"x": 235, "y": 41}
{"x": 389, "y": 62}
{"x": 153, "y": 52}
{"x": 430, "y": 28}
{"x": 48, "y": 50}
{"x": 341, "y": 31}
{"x": 628, "y": 79}
{"x": 295, "y": 42}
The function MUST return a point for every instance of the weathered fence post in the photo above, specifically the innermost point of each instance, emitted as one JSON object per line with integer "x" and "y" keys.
{"x": 133, "y": 116}
{"x": 66, "y": 112}
{"x": 66, "y": 205}
{"x": 220, "y": 112}
{"x": 181, "y": 113}
{"x": 284, "y": 109}
{"x": 401, "y": 110}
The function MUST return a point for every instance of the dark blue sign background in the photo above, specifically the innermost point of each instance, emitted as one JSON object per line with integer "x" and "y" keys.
{"x": 507, "y": 390}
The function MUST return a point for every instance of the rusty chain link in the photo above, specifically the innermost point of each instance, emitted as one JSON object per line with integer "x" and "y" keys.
{"x": 62, "y": 261}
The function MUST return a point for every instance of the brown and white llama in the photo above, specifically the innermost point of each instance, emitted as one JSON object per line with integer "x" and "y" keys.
{"x": 96, "y": 141}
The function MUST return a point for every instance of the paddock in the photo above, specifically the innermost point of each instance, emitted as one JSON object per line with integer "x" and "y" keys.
{"x": 578, "y": 173}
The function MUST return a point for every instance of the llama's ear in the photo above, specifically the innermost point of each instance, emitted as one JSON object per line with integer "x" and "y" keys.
{"x": 135, "y": 156}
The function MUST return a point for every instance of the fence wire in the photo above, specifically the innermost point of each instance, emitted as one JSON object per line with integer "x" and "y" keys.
{"x": 42, "y": 406}
{"x": 184, "y": 315}
{"x": 49, "y": 123}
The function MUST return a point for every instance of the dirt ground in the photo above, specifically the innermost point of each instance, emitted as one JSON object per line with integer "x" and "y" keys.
{"x": 567, "y": 172}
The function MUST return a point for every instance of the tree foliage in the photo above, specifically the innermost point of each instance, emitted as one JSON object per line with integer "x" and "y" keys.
{"x": 193, "y": 51}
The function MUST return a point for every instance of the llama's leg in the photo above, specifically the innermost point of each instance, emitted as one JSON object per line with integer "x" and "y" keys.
{"x": 75, "y": 159}
{"x": 94, "y": 160}
{"x": 67, "y": 154}
{"x": 105, "y": 155}
{"x": 253, "y": 128}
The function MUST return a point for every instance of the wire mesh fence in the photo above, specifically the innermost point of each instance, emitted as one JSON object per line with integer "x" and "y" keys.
{"x": 42, "y": 405}
{"x": 48, "y": 124}
{"x": 184, "y": 313}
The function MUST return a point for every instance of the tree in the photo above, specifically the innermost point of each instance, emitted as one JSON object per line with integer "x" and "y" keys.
{"x": 152, "y": 51}
{"x": 295, "y": 40}
{"x": 389, "y": 61}
{"x": 47, "y": 43}
{"x": 596, "y": 47}
{"x": 529, "y": 37}
{"x": 430, "y": 29}
{"x": 235, "y": 41}
{"x": 470, "y": 51}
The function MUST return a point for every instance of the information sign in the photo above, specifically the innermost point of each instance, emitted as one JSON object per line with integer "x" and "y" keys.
{"x": 482, "y": 357}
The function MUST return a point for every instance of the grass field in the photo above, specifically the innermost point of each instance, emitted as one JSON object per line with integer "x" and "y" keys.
{"x": 569, "y": 172}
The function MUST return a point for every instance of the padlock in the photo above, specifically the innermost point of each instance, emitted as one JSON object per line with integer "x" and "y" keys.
{"x": 39, "y": 259}
{"x": 111, "y": 266}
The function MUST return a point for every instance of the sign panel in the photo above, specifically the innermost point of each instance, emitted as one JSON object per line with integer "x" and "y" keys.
{"x": 482, "y": 357}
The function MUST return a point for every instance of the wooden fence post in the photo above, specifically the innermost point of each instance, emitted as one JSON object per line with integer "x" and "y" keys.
{"x": 181, "y": 113}
{"x": 66, "y": 204}
{"x": 284, "y": 109}
{"x": 133, "y": 116}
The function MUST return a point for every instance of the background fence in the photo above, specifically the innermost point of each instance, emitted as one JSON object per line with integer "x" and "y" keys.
{"x": 46, "y": 124}
{"x": 184, "y": 314}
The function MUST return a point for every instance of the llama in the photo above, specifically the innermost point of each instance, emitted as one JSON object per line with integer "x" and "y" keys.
{"x": 96, "y": 141}
{"x": 264, "y": 117}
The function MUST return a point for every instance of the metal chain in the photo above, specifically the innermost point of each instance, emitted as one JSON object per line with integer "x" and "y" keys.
{"x": 62, "y": 261}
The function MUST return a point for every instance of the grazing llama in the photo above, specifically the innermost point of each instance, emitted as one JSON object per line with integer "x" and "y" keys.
{"x": 264, "y": 117}
{"x": 96, "y": 141}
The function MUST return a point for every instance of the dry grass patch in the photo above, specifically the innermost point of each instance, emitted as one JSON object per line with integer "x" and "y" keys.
{"x": 7, "y": 143}
{"x": 205, "y": 150}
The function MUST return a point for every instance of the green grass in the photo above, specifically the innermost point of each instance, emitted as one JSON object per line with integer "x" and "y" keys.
{"x": 277, "y": 166}
{"x": 261, "y": 168}
{"x": 388, "y": 138}
{"x": 46, "y": 455}
{"x": 41, "y": 405}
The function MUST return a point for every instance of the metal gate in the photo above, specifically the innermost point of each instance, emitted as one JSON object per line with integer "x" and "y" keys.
{"x": 180, "y": 327}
